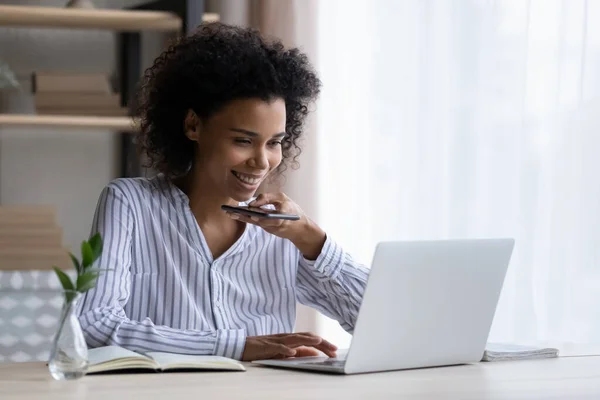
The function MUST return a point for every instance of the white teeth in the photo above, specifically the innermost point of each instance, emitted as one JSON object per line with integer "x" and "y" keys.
{"x": 246, "y": 179}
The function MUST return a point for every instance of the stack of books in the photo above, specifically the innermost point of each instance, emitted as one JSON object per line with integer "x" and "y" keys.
{"x": 30, "y": 239}
{"x": 75, "y": 94}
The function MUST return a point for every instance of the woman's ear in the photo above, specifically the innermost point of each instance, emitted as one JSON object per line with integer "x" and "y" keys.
{"x": 191, "y": 125}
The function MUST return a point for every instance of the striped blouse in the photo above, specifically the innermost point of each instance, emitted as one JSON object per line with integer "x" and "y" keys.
{"x": 165, "y": 292}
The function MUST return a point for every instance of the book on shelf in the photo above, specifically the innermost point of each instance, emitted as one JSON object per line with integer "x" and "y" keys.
{"x": 30, "y": 239}
{"x": 35, "y": 258}
{"x": 20, "y": 216}
{"x": 23, "y": 236}
{"x": 509, "y": 352}
{"x": 76, "y": 94}
{"x": 43, "y": 81}
{"x": 115, "y": 358}
{"x": 88, "y": 112}
{"x": 75, "y": 100}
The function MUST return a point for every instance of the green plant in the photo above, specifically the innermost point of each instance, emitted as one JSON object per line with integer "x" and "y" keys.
{"x": 86, "y": 274}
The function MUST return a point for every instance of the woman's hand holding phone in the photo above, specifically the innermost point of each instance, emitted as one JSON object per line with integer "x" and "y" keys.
{"x": 306, "y": 235}
{"x": 259, "y": 212}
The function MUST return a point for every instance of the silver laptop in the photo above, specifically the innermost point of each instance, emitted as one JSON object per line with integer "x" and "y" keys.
{"x": 427, "y": 304}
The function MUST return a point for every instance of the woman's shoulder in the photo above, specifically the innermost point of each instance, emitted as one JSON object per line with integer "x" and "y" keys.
{"x": 136, "y": 189}
{"x": 132, "y": 185}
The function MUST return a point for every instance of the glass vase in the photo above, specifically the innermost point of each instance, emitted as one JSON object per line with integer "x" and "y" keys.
{"x": 69, "y": 353}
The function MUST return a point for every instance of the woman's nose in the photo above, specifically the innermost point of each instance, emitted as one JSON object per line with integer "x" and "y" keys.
{"x": 260, "y": 160}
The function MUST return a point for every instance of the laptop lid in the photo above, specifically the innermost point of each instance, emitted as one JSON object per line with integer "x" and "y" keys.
{"x": 428, "y": 303}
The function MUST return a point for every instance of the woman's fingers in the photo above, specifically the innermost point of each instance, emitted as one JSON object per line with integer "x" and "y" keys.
{"x": 268, "y": 198}
{"x": 306, "y": 334}
{"x": 304, "y": 351}
{"x": 308, "y": 340}
{"x": 286, "y": 345}
{"x": 325, "y": 343}
{"x": 325, "y": 348}
{"x": 241, "y": 217}
{"x": 296, "y": 340}
{"x": 330, "y": 346}
{"x": 262, "y": 222}
{"x": 286, "y": 351}
{"x": 266, "y": 222}
{"x": 238, "y": 217}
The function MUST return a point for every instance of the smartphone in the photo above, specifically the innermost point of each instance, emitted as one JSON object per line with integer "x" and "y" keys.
{"x": 259, "y": 212}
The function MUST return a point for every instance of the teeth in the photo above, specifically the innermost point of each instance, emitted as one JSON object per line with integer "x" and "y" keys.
{"x": 246, "y": 179}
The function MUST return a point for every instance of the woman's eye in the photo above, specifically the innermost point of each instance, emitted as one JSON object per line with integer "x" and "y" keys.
{"x": 243, "y": 141}
{"x": 275, "y": 143}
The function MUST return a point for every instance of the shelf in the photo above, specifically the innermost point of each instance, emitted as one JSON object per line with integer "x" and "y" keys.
{"x": 65, "y": 121}
{"x": 119, "y": 20}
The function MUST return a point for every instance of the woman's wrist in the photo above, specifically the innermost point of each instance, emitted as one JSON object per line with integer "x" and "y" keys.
{"x": 310, "y": 240}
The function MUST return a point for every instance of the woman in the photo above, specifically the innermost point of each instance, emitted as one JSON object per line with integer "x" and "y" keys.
{"x": 221, "y": 110}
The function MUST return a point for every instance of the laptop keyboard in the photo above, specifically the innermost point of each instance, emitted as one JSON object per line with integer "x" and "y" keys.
{"x": 330, "y": 362}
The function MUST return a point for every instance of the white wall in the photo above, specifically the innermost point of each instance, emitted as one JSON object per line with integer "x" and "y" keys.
{"x": 63, "y": 168}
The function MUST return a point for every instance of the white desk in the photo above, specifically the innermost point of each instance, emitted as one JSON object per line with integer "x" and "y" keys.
{"x": 563, "y": 378}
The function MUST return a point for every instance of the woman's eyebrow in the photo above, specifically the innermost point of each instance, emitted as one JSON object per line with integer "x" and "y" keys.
{"x": 254, "y": 134}
{"x": 244, "y": 131}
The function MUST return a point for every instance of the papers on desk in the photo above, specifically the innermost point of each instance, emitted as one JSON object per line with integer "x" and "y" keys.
{"x": 509, "y": 352}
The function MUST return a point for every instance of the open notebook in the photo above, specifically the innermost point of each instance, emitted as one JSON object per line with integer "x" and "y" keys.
{"x": 506, "y": 352}
{"x": 114, "y": 358}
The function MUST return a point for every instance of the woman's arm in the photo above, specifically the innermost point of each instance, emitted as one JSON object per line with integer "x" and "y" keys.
{"x": 101, "y": 312}
{"x": 333, "y": 283}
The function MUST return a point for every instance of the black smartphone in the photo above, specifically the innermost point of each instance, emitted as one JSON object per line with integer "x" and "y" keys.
{"x": 259, "y": 212}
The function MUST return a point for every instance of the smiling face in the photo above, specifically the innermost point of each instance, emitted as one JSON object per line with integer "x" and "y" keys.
{"x": 239, "y": 146}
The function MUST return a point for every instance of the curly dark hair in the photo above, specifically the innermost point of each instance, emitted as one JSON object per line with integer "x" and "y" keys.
{"x": 206, "y": 70}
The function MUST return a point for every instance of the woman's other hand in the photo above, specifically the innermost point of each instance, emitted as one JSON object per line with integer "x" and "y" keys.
{"x": 284, "y": 345}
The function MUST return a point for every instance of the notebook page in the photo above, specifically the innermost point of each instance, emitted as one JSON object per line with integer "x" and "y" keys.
{"x": 170, "y": 360}
{"x": 105, "y": 354}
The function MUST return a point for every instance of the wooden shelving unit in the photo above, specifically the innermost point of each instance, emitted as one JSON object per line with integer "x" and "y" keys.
{"x": 169, "y": 16}
{"x": 30, "y": 237}
{"x": 126, "y": 21}
{"x": 66, "y": 121}
{"x": 118, "y": 20}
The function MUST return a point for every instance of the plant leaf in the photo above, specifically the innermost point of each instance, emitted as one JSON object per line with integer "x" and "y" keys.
{"x": 75, "y": 263}
{"x": 87, "y": 280}
{"x": 87, "y": 255}
{"x": 96, "y": 244}
{"x": 65, "y": 281}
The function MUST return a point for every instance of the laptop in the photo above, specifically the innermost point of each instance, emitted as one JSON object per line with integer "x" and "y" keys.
{"x": 426, "y": 304}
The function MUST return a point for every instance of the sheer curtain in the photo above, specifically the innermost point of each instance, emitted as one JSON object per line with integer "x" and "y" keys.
{"x": 468, "y": 119}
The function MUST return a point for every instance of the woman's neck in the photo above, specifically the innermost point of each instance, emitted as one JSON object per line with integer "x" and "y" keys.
{"x": 205, "y": 202}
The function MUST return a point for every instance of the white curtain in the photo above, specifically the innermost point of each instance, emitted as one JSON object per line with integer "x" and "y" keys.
{"x": 468, "y": 119}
